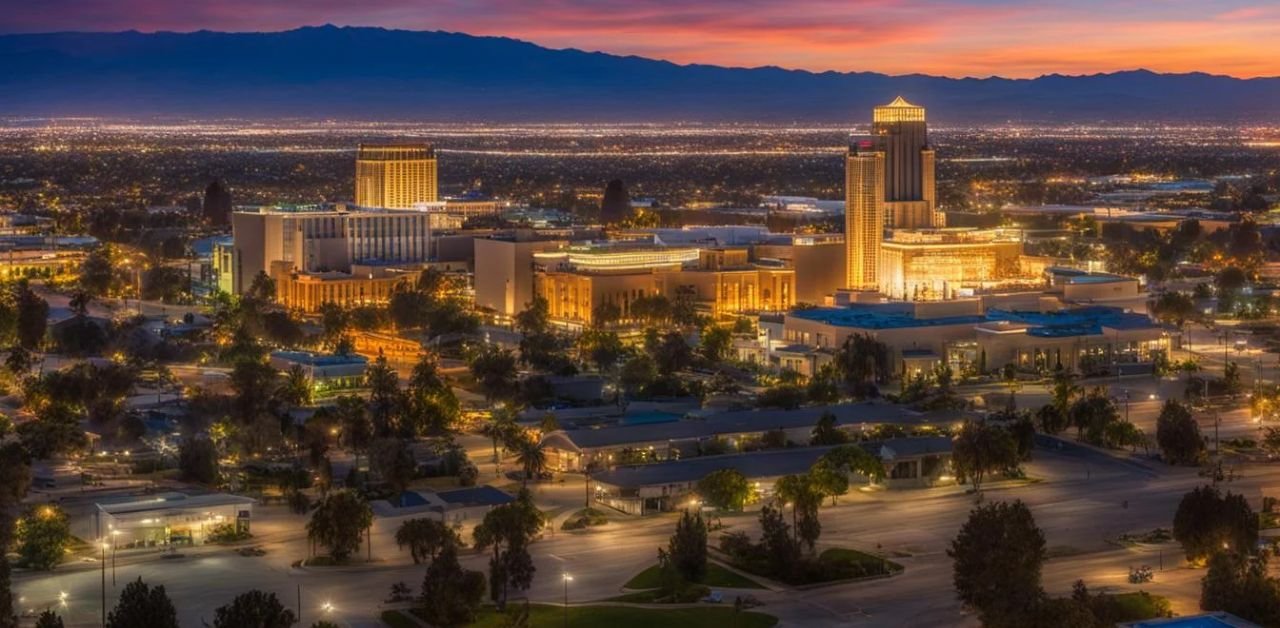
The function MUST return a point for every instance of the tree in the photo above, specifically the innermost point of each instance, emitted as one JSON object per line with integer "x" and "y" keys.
{"x": 532, "y": 457}
{"x": 507, "y": 530}
{"x": 494, "y": 369}
{"x": 425, "y": 538}
{"x": 1051, "y": 419}
{"x": 615, "y": 205}
{"x": 393, "y": 461}
{"x": 432, "y": 404}
{"x": 997, "y": 556}
{"x": 98, "y": 273}
{"x": 805, "y": 496}
{"x": 637, "y": 373}
{"x": 254, "y": 609}
{"x": 982, "y": 448}
{"x": 33, "y": 316}
{"x": 826, "y": 432}
{"x": 785, "y": 396}
{"x": 1178, "y": 435}
{"x": 451, "y": 595}
{"x": 384, "y": 398}
{"x": 782, "y": 551}
{"x": 49, "y": 619}
{"x": 1174, "y": 308}
{"x": 834, "y": 467}
{"x": 716, "y": 343}
{"x": 15, "y": 478}
{"x": 1240, "y": 585}
{"x": 1091, "y": 414}
{"x": 1207, "y": 521}
{"x": 725, "y": 489}
{"x": 198, "y": 460}
{"x": 602, "y": 348}
{"x": 43, "y": 536}
{"x": 671, "y": 353}
{"x": 142, "y": 605}
{"x": 56, "y": 431}
{"x": 687, "y": 548}
{"x": 824, "y": 386}
{"x": 338, "y": 523}
{"x": 863, "y": 360}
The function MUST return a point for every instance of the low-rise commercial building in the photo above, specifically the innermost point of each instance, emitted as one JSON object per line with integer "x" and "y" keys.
{"x": 663, "y": 486}
{"x": 579, "y": 449}
{"x": 1087, "y": 339}
{"x": 325, "y": 371}
{"x": 169, "y": 518}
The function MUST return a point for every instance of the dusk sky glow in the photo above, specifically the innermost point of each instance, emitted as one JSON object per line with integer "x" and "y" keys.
{"x": 944, "y": 37}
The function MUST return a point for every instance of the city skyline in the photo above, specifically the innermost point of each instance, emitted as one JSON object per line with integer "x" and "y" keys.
{"x": 954, "y": 38}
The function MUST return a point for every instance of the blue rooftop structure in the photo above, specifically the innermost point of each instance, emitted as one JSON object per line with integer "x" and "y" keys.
{"x": 476, "y": 496}
{"x": 1087, "y": 321}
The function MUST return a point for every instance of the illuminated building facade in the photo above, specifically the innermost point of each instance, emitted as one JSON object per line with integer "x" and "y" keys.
{"x": 720, "y": 282}
{"x": 364, "y": 285}
{"x": 396, "y": 176}
{"x": 899, "y": 131}
{"x": 863, "y": 215}
{"x": 935, "y": 264}
{"x": 319, "y": 252}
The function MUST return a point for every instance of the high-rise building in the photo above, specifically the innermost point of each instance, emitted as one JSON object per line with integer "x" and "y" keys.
{"x": 901, "y": 133}
{"x": 863, "y": 214}
{"x": 396, "y": 176}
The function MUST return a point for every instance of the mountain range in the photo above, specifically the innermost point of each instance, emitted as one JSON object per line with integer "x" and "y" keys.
{"x": 374, "y": 73}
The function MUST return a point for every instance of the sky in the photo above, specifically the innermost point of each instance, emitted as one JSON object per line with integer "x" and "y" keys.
{"x": 942, "y": 37}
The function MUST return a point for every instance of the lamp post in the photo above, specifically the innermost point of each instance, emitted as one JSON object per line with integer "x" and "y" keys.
{"x": 567, "y": 579}
{"x": 114, "y": 545}
{"x": 104, "y": 584}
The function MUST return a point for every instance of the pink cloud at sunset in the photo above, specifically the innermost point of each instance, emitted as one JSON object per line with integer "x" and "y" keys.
{"x": 943, "y": 37}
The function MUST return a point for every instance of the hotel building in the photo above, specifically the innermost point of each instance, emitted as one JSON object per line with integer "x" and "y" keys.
{"x": 396, "y": 176}
{"x": 721, "y": 282}
{"x": 328, "y": 253}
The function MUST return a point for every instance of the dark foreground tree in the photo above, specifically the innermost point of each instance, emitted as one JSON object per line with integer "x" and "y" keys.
{"x": 451, "y": 595}
{"x": 49, "y": 619}
{"x": 725, "y": 489}
{"x": 1178, "y": 434}
{"x": 254, "y": 609}
{"x": 1207, "y": 522}
{"x": 425, "y": 538}
{"x": 142, "y": 605}
{"x": 998, "y": 555}
{"x": 43, "y": 536}
{"x": 688, "y": 547}
{"x": 338, "y": 522}
{"x": 508, "y": 530}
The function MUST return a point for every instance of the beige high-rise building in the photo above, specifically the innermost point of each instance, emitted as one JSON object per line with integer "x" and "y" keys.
{"x": 863, "y": 214}
{"x": 900, "y": 130}
{"x": 396, "y": 176}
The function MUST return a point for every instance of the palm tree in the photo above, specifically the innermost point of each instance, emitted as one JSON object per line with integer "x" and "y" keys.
{"x": 500, "y": 429}
{"x": 532, "y": 456}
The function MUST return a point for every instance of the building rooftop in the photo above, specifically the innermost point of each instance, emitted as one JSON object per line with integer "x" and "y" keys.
{"x": 1075, "y": 322}
{"x": 760, "y": 464}
{"x": 319, "y": 359}
{"x": 476, "y": 496}
{"x": 738, "y": 422}
{"x": 171, "y": 501}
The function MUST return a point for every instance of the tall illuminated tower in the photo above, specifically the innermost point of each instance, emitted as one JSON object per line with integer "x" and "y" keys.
{"x": 900, "y": 131}
{"x": 864, "y": 213}
{"x": 395, "y": 176}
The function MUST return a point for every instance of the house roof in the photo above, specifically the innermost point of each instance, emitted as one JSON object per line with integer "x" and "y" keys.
{"x": 728, "y": 423}
{"x": 760, "y": 464}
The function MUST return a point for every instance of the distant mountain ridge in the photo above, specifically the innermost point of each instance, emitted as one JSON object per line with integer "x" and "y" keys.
{"x": 374, "y": 73}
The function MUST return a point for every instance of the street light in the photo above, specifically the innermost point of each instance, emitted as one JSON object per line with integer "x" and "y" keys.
{"x": 104, "y": 584}
{"x": 567, "y": 579}
{"x": 114, "y": 544}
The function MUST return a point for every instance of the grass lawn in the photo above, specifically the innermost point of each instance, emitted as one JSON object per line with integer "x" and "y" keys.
{"x": 398, "y": 619}
{"x": 1136, "y": 606}
{"x": 717, "y": 576}
{"x": 857, "y": 563}
{"x": 541, "y": 616}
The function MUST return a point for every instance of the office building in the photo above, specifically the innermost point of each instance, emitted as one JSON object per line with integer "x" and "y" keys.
{"x": 396, "y": 176}
{"x": 327, "y": 253}
{"x": 170, "y": 518}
